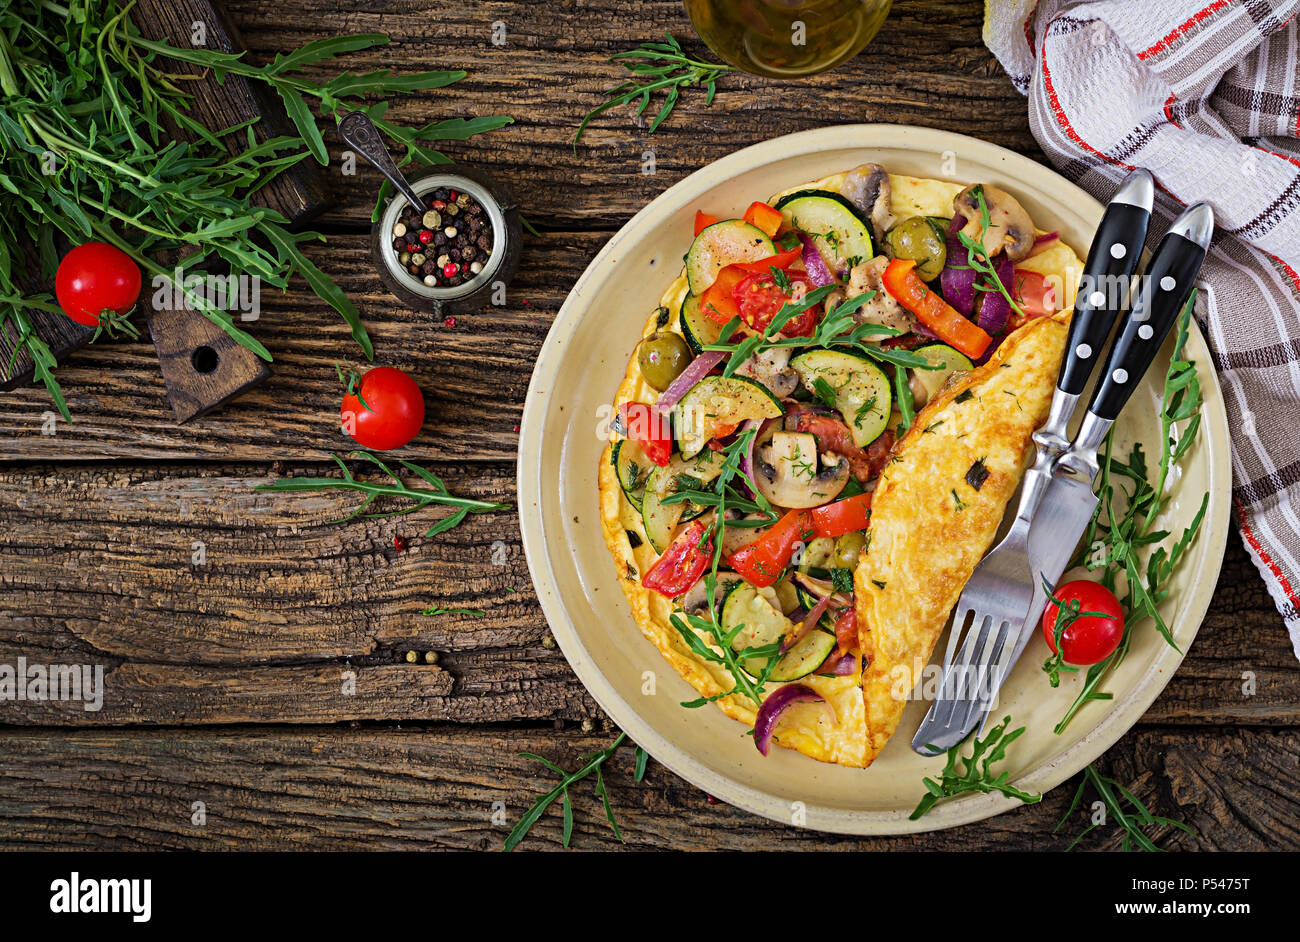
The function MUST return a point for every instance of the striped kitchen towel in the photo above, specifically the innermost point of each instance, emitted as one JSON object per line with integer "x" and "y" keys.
{"x": 1205, "y": 95}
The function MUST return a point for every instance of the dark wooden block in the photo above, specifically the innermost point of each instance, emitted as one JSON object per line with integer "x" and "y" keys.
{"x": 201, "y": 364}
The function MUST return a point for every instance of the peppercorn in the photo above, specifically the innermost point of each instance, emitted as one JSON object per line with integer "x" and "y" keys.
{"x": 426, "y": 236}
{"x": 411, "y": 657}
{"x": 450, "y": 269}
{"x": 418, "y": 258}
{"x": 484, "y": 242}
{"x": 438, "y": 205}
{"x": 432, "y": 219}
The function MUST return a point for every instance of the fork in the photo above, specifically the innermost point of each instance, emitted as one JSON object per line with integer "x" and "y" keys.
{"x": 997, "y": 597}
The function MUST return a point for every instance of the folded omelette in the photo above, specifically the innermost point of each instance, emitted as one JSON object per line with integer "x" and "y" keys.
{"x": 848, "y": 619}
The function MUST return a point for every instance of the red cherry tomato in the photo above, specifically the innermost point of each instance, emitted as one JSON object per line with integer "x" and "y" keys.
{"x": 94, "y": 278}
{"x": 650, "y": 429}
{"x": 759, "y": 298}
{"x": 846, "y": 630}
{"x": 392, "y": 413}
{"x": 1035, "y": 294}
{"x": 1097, "y": 631}
{"x": 682, "y": 565}
{"x": 842, "y": 516}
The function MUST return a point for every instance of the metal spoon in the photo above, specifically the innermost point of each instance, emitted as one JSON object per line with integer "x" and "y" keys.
{"x": 360, "y": 132}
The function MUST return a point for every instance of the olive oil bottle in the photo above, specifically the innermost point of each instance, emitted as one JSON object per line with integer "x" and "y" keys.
{"x": 787, "y": 38}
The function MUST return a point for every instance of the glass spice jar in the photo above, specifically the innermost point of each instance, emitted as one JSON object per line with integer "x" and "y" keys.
{"x": 477, "y": 227}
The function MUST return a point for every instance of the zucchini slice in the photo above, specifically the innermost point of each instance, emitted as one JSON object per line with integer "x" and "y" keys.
{"x": 723, "y": 244}
{"x": 862, "y": 391}
{"x": 817, "y": 554}
{"x": 716, "y": 402}
{"x": 660, "y": 519}
{"x": 809, "y": 602}
{"x": 945, "y": 357}
{"x": 633, "y": 469}
{"x": 809, "y": 653}
{"x": 697, "y": 327}
{"x": 840, "y": 232}
{"x": 758, "y": 615}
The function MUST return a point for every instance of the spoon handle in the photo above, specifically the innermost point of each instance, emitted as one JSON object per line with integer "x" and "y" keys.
{"x": 360, "y": 132}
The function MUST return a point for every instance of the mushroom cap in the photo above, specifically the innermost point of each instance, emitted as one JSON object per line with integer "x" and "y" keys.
{"x": 1010, "y": 228}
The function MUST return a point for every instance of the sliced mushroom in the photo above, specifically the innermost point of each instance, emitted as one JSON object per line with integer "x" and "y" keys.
{"x": 696, "y": 599}
{"x": 882, "y": 308}
{"x": 1010, "y": 228}
{"x": 788, "y": 471}
{"x": 734, "y": 538}
{"x": 772, "y": 369}
{"x": 867, "y": 188}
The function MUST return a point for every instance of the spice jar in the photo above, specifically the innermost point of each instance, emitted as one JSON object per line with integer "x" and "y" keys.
{"x": 458, "y": 250}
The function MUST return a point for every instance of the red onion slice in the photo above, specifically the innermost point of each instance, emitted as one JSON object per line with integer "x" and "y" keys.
{"x": 776, "y": 705}
{"x": 846, "y": 664}
{"x": 813, "y": 263}
{"x": 698, "y": 368}
{"x": 957, "y": 280}
{"x": 1043, "y": 243}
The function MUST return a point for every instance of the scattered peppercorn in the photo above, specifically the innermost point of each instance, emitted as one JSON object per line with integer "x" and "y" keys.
{"x": 411, "y": 657}
{"x": 400, "y": 544}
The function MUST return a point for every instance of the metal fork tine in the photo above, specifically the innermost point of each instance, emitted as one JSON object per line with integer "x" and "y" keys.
{"x": 955, "y": 636}
{"x": 977, "y": 635}
{"x": 993, "y": 667}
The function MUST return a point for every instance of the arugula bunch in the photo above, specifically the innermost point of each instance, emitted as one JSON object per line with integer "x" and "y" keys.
{"x": 963, "y": 774}
{"x": 1124, "y": 524}
{"x": 87, "y": 105}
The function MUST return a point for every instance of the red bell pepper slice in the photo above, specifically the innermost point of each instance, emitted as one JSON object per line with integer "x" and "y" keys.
{"x": 682, "y": 564}
{"x": 649, "y": 428}
{"x": 703, "y": 220}
{"x": 902, "y": 281}
{"x": 843, "y": 516}
{"x": 762, "y": 561}
{"x": 717, "y": 301}
{"x": 763, "y": 216}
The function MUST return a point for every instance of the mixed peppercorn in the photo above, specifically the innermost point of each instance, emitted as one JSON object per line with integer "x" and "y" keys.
{"x": 448, "y": 244}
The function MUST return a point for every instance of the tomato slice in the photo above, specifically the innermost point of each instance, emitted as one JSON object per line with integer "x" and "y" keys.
{"x": 703, "y": 220}
{"x": 717, "y": 301}
{"x": 765, "y": 217}
{"x": 843, "y": 516}
{"x": 759, "y": 299}
{"x": 762, "y": 562}
{"x": 1035, "y": 294}
{"x": 902, "y": 281}
{"x": 649, "y": 428}
{"x": 1098, "y": 625}
{"x": 682, "y": 565}
{"x": 846, "y": 630}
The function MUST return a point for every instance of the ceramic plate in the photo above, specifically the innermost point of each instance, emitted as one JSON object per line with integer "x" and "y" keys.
{"x": 562, "y": 434}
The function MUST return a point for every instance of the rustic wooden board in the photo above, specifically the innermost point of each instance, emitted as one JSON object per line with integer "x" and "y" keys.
{"x": 418, "y": 788}
{"x": 474, "y": 374}
{"x": 285, "y": 601}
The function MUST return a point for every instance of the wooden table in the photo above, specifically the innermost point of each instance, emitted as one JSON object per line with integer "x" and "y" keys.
{"x": 224, "y": 680}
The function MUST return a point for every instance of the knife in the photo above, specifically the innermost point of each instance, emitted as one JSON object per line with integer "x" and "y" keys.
{"x": 1112, "y": 259}
{"x": 1070, "y": 501}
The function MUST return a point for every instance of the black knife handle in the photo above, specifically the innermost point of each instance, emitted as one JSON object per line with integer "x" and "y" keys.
{"x": 1112, "y": 259}
{"x": 1164, "y": 289}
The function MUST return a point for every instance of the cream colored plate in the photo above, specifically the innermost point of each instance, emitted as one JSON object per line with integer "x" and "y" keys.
{"x": 581, "y": 364}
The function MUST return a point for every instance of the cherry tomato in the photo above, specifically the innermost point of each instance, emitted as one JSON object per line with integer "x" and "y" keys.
{"x": 94, "y": 278}
{"x": 846, "y": 630}
{"x": 649, "y": 428}
{"x": 1035, "y": 294}
{"x": 682, "y": 564}
{"x": 388, "y": 413}
{"x": 1090, "y": 637}
{"x": 842, "y": 516}
{"x": 759, "y": 298}
{"x": 762, "y": 561}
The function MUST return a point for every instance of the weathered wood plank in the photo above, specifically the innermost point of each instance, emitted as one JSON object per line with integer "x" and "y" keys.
{"x": 927, "y": 66}
{"x": 391, "y": 789}
{"x": 474, "y": 374}
{"x": 97, "y": 565}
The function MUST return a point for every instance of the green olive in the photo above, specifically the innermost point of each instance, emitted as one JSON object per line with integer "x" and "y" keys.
{"x": 848, "y": 548}
{"x": 916, "y": 238}
{"x": 663, "y": 356}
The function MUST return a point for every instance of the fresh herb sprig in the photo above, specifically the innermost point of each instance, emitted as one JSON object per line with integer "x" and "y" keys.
{"x": 974, "y": 773}
{"x": 86, "y": 107}
{"x": 977, "y": 257}
{"x": 1133, "y": 820}
{"x": 592, "y": 763}
{"x": 419, "y": 497}
{"x": 1122, "y": 535}
{"x": 657, "y": 67}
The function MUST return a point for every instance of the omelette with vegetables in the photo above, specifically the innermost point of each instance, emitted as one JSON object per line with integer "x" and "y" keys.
{"x": 817, "y": 438}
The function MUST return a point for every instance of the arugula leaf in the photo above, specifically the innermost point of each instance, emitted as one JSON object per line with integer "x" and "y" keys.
{"x": 974, "y": 773}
